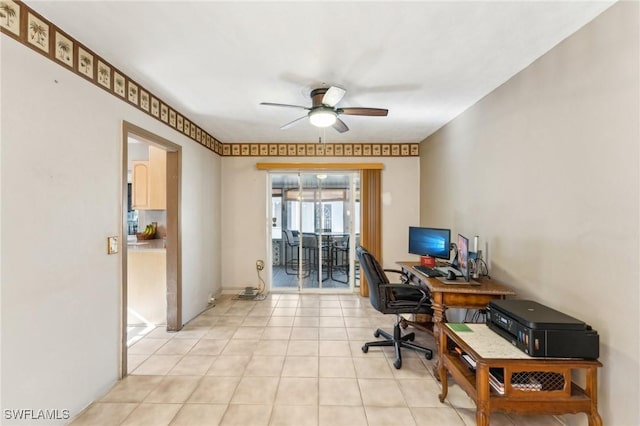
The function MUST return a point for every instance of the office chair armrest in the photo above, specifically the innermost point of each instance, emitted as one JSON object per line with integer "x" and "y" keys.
{"x": 424, "y": 295}
{"x": 403, "y": 277}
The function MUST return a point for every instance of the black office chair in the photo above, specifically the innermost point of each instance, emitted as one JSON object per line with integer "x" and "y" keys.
{"x": 393, "y": 299}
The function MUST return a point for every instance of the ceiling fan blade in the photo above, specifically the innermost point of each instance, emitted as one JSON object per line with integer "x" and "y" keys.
{"x": 333, "y": 95}
{"x": 284, "y": 105}
{"x": 340, "y": 126}
{"x": 291, "y": 123}
{"x": 363, "y": 111}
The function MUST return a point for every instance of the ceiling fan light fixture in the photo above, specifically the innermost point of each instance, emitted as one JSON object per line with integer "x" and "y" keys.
{"x": 322, "y": 117}
{"x": 323, "y": 112}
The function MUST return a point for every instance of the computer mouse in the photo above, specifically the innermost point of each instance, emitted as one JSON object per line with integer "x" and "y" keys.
{"x": 451, "y": 276}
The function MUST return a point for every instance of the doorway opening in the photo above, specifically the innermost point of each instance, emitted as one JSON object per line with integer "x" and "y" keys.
{"x": 315, "y": 228}
{"x": 151, "y": 244}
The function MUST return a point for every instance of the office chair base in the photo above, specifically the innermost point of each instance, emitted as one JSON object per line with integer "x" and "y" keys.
{"x": 397, "y": 340}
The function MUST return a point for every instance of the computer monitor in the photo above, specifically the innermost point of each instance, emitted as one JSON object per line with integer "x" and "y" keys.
{"x": 434, "y": 242}
{"x": 463, "y": 256}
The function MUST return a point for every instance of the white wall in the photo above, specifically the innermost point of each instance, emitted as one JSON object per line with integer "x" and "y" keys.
{"x": 61, "y": 198}
{"x": 244, "y": 212}
{"x": 545, "y": 169}
{"x": 201, "y": 228}
{"x": 400, "y": 208}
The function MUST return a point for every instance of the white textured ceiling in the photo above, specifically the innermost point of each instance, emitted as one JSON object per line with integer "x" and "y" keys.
{"x": 216, "y": 61}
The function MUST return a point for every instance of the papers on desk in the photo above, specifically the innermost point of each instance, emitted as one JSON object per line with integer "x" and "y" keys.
{"x": 459, "y": 326}
{"x": 495, "y": 383}
{"x": 470, "y": 361}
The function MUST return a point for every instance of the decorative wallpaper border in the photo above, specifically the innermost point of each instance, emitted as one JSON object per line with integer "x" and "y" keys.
{"x": 20, "y": 22}
{"x": 320, "y": 150}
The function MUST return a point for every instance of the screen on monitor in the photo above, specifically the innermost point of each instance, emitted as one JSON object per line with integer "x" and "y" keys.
{"x": 432, "y": 242}
{"x": 463, "y": 256}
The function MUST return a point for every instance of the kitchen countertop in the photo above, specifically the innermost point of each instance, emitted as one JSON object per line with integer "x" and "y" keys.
{"x": 146, "y": 245}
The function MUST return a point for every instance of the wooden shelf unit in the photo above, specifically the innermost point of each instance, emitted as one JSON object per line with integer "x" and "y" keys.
{"x": 561, "y": 395}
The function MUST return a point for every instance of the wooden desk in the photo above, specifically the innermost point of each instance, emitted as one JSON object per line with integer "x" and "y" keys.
{"x": 444, "y": 296}
{"x": 530, "y": 385}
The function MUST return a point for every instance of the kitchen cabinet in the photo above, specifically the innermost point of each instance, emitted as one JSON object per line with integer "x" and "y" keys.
{"x": 140, "y": 185}
{"x": 149, "y": 181}
{"x": 147, "y": 284}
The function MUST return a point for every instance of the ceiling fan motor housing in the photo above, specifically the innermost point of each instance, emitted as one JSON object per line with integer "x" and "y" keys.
{"x": 316, "y": 97}
{"x": 321, "y": 114}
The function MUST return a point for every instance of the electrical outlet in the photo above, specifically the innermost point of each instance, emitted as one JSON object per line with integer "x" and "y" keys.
{"x": 259, "y": 265}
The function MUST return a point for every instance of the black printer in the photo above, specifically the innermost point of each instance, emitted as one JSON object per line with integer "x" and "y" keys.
{"x": 540, "y": 331}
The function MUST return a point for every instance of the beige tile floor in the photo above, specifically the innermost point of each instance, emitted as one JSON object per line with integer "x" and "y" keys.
{"x": 287, "y": 360}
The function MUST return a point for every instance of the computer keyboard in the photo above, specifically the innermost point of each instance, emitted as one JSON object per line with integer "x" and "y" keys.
{"x": 430, "y": 272}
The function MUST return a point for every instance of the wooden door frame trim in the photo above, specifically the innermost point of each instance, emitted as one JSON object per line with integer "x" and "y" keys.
{"x": 174, "y": 239}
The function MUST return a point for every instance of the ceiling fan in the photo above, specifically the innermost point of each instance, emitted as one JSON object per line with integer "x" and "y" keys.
{"x": 323, "y": 111}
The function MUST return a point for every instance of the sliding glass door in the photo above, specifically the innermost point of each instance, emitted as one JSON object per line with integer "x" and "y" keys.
{"x": 316, "y": 222}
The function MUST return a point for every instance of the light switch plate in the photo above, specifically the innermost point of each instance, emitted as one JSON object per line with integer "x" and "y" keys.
{"x": 112, "y": 245}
